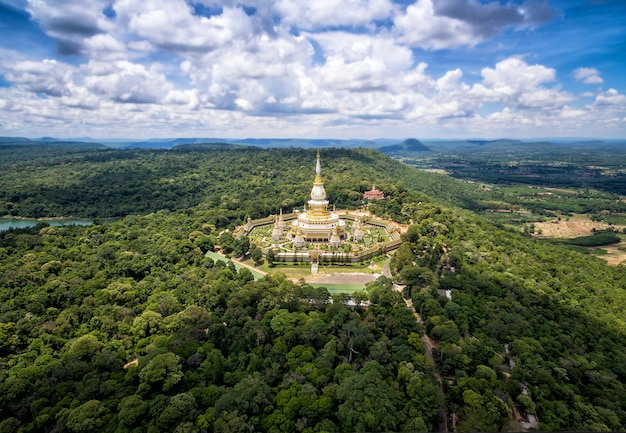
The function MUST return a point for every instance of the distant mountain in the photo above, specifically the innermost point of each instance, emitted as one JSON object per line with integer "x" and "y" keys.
{"x": 210, "y": 146}
{"x": 75, "y": 145}
{"x": 161, "y": 143}
{"x": 409, "y": 145}
{"x": 13, "y": 140}
{"x": 304, "y": 143}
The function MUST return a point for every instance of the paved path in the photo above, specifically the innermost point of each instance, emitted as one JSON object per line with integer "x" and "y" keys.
{"x": 387, "y": 269}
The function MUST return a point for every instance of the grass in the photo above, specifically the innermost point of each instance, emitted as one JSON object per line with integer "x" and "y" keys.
{"x": 303, "y": 270}
{"x": 348, "y": 289}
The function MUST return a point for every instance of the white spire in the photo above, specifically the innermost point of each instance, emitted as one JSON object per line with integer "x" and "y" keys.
{"x": 318, "y": 193}
{"x": 318, "y": 165}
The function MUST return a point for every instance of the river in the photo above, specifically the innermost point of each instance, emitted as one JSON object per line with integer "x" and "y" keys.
{"x": 12, "y": 223}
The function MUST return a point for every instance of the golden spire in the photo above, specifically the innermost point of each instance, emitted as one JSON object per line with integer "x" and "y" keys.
{"x": 318, "y": 169}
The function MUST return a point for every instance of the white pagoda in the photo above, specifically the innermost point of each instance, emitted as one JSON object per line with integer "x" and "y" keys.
{"x": 318, "y": 224}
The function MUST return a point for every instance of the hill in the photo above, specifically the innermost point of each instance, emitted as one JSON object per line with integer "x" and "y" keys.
{"x": 282, "y": 143}
{"x": 13, "y": 140}
{"x": 407, "y": 146}
{"x": 112, "y": 183}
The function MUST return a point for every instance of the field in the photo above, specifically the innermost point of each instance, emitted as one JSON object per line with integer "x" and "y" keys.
{"x": 580, "y": 225}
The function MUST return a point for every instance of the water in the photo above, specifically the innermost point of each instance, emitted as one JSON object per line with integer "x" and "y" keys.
{"x": 11, "y": 223}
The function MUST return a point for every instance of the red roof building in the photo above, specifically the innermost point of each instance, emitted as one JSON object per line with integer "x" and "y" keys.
{"x": 373, "y": 194}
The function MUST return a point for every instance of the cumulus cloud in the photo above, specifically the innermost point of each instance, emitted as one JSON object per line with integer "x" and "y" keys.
{"x": 126, "y": 82}
{"x": 71, "y": 21}
{"x": 515, "y": 82}
{"x": 357, "y": 63}
{"x": 47, "y": 77}
{"x": 254, "y": 67}
{"x": 444, "y": 24}
{"x": 173, "y": 26}
{"x": 588, "y": 75}
{"x": 611, "y": 97}
{"x": 315, "y": 14}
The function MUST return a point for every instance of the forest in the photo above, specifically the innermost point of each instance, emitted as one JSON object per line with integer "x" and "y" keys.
{"x": 126, "y": 326}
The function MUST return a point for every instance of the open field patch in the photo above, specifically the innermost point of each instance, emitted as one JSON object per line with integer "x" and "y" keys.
{"x": 574, "y": 227}
{"x": 578, "y": 226}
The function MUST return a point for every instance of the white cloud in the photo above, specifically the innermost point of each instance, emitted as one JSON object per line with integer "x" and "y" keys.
{"x": 360, "y": 63}
{"x": 47, "y": 77}
{"x": 588, "y": 75}
{"x": 420, "y": 27}
{"x": 450, "y": 82}
{"x": 171, "y": 25}
{"x": 127, "y": 82}
{"x": 71, "y": 21}
{"x": 105, "y": 47}
{"x": 263, "y": 71}
{"x": 514, "y": 82}
{"x": 79, "y": 97}
{"x": 442, "y": 24}
{"x": 312, "y": 14}
{"x": 183, "y": 97}
{"x": 611, "y": 97}
{"x": 162, "y": 67}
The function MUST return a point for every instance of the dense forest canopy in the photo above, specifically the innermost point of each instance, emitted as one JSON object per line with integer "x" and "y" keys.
{"x": 54, "y": 181}
{"x": 128, "y": 326}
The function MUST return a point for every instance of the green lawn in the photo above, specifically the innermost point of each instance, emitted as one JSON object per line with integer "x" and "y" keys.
{"x": 340, "y": 288}
{"x": 303, "y": 270}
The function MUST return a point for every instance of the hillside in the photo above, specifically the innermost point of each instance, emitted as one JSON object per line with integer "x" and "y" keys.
{"x": 52, "y": 182}
{"x": 127, "y": 326}
{"x": 407, "y": 146}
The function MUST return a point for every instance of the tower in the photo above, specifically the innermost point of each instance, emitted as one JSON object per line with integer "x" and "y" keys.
{"x": 318, "y": 223}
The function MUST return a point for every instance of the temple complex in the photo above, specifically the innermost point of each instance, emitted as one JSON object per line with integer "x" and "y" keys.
{"x": 317, "y": 223}
{"x": 319, "y": 235}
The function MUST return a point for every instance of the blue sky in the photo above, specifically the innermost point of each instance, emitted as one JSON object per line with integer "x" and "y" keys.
{"x": 313, "y": 69}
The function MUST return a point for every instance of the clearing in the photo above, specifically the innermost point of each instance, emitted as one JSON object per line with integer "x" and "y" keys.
{"x": 580, "y": 225}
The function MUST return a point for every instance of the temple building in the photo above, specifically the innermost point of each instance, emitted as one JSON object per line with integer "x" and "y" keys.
{"x": 373, "y": 194}
{"x": 318, "y": 235}
{"x": 318, "y": 224}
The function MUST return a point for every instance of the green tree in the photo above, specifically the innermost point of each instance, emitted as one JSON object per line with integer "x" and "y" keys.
{"x": 241, "y": 246}
{"x": 180, "y": 408}
{"x": 84, "y": 347}
{"x": 270, "y": 256}
{"x": 88, "y": 416}
{"x": 9, "y": 425}
{"x": 251, "y": 396}
{"x": 256, "y": 255}
{"x": 368, "y": 402}
{"x": 164, "y": 370}
{"x": 131, "y": 411}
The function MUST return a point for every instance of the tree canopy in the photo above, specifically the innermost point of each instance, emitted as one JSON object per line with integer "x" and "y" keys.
{"x": 128, "y": 326}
